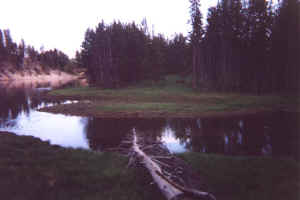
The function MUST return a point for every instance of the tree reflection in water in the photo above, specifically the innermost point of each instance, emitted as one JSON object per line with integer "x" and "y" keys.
{"x": 16, "y": 101}
{"x": 266, "y": 134}
{"x": 106, "y": 133}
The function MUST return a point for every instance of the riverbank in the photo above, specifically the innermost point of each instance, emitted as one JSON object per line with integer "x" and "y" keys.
{"x": 34, "y": 76}
{"x": 166, "y": 100}
{"x": 33, "y": 169}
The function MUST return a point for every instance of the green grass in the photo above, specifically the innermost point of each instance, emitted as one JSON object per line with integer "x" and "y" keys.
{"x": 247, "y": 178}
{"x": 32, "y": 169}
{"x": 166, "y": 100}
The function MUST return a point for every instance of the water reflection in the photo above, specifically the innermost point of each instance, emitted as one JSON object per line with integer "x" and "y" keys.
{"x": 106, "y": 133}
{"x": 173, "y": 143}
{"x": 21, "y": 101}
{"x": 267, "y": 134}
{"x": 275, "y": 134}
{"x": 59, "y": 129}
{"x": 18, "y": 114}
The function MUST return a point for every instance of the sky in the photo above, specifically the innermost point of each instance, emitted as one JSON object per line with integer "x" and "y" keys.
{"x": 61, "y": 24}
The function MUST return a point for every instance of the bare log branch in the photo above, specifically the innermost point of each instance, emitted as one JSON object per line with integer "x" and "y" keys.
{"x": 169, "y": 191}
{"x": 169, "y": 188}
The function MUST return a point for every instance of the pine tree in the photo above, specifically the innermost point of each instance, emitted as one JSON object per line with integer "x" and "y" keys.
{"x": 258, "y": 23}
{"x": 21, "y": 54}
{"x": 285, "y": 47}
{"x": 177, "y": 55}
{"x": 196, "y": 37}
{"x": 87, "y": 53}
{"x": 2, "y": 47}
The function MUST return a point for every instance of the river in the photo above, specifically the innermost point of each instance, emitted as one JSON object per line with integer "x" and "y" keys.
{"x": 268, "y": 134}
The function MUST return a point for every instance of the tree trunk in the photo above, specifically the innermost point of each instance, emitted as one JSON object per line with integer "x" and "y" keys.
{"x": 195, "y": 67}
{"x": 170, "y": 189}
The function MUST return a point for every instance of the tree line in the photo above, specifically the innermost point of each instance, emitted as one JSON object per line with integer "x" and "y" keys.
{"x": 17, "y": 55}
{"x": 246, "y": 46}
{"x": 249, "y": 46}
{"x": 119, "y": 54}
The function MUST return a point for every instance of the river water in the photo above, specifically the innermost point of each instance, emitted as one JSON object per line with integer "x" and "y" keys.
{"x": 269, "y": 134}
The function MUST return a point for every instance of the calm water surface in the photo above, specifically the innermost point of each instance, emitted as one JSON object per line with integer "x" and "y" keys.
{"x": 275, "y": 134}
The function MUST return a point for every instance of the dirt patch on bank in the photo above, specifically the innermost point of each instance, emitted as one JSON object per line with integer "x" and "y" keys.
{"x": 31, "y": 78}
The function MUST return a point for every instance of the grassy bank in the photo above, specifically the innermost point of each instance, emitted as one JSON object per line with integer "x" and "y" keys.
{"x": 32, "y": 169}
{"x": 165, "y": 99}
{"x": 247, "y": 178}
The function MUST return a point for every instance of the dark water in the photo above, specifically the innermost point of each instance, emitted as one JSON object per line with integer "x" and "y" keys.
{"x": 273, "y": 134}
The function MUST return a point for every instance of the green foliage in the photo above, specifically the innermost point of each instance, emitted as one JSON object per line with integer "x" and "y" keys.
{"x": 135, "y": 54}
{"x": 285, "y": 47}
{"x": 242, "y": 50}
{"x": 196, "y": 22}
{"x": 15, "y": 55}
{"x": 178, "y": 56}
{"x": 9, "y": 49}
{"x": 53, "y": 59}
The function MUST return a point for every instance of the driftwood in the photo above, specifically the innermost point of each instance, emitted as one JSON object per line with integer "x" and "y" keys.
{"x": 170, "y": 189}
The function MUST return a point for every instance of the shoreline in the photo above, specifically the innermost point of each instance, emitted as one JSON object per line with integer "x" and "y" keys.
{"x": 162, "y": 103}
{"x": 77, "y": 109}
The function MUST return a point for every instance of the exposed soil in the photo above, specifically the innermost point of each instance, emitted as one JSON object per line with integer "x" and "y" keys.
{"x": 35, "y": 77}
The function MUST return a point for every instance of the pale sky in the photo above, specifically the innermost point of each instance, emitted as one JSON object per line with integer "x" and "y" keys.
{"x": 61, "y": 24}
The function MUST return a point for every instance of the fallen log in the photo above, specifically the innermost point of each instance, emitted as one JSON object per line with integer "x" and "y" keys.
{"x": 168, "y": 190}
{"x": 171, "y": 190}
